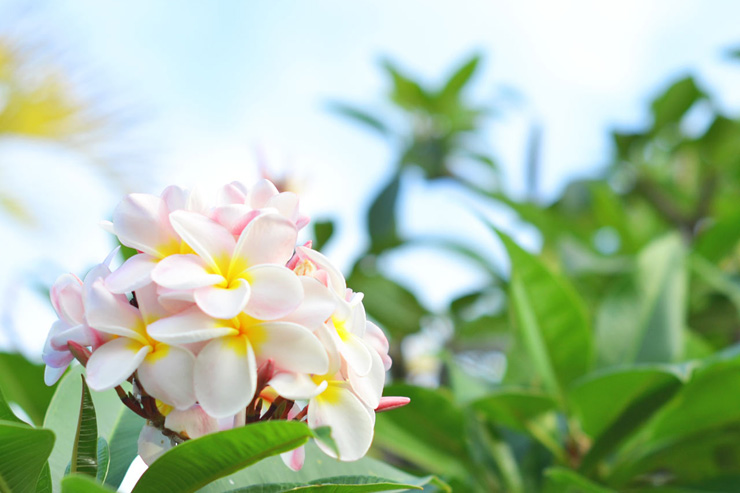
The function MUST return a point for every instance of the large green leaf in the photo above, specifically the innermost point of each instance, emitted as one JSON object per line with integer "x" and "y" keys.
{"x": 340, "y": 484}
{"x": 316, "y": 467}
{"x": 429, "y": 432}
{"x": 524, "y": 410}
{"x": 361, "y": 116}
{"x": 23, "y": 454}
{"x": 82, "y": 483}
{"x": 562, "y": 480}
{"x": 196, "y": 463}
{"x": 123, "y": 445}
{"x": 62, "y": 416}
{"x": 458, "y": 80}
{"x": 643, "y": 318}
{"x": 381, "y": 217}
{"x": 22, "y": 382}
{"x": 673, "y": 104}
{"x": 6, "y": 414}
{"x": 85, "y": 449}
{"x": 552, "y": 321}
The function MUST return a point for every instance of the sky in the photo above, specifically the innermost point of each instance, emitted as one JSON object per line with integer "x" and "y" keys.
{"x": 209, "y": 83}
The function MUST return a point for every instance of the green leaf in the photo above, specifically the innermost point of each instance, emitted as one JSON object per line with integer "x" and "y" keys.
{"x": 63, "y": 413}
{"x": 123, "y": 445}
{"x": 459, "y": 79}
{"x": 673, "y": 104}
{"x": 393, "y": 306}
{"x": 103, "y": 459}
{"x": 552, "y": 321}
{"x": 323, "y": 435}
{"x": 195, "y": 463}
{"x": 340, "y": 484}
{"x": 322, "y": 232}
{"x": 562, "y": 480}
{"x": 85, "y": 450}
{"x": 6, "y": 414}
{"x": 316, "y": 466}
{"x": 381, "y": 217}
{"x": 22, "y": 382}
{"x": 643, "y": 318}
{"x": 428, "y": 432}
{"x": 613, "y": 406}
{"x": 43, "y": 485}
{"x": 360, "y": 116}
{"x": 23, "y": 454}
{"x": 82, "y": 483}
{"x": 407, "y": 93}
{"x": 523, "y": 410}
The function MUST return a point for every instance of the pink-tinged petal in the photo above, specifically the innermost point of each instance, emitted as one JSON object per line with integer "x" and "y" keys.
{"x": 234, "y": 193}
{"x": 81, "y": 334}
{"x": 175, "y": 198}
{"x": 167, "y": 374}
{"x": 369, "y": 388}
{"x": 225, "y": 376}
{"x": 184, "y": 272}
{"x": 261, "y": 192}
{"x": 393, "y": 402}
{"x": 191, "y": 325}
{"x": 113, "y": 362}
{"x": 234, "y": 217}
{"x": 112, "y": 313}
{"x": 286, "y": 204}
{"x": 302, "y": 222}
{"x": 57, "y": 359}
{"x": 357, "y": 355}
{"x": 147, "y": 299}
{"x": 192, "y": 423}
{"x": 336, "y": 279}
{"x": 295, "y": 458}
{"x": 141, "y": 222}
{"x": 376, "y": 339}
{"x": 317, "y": 306}
{"x": 175, "y": 300}
{"x": 350, "y": 420}
{"x": 267, "y": 239}
{"x": 66, "y": 297}
{"x": 224, "y": 302}
{"x": 107, "y": 226}
{"x": 276, "y": 291}
{"x": 133, "y": 274}
{"x": 52, "y": 375}
{"x": 292, "y": 347}
{"x": 207, "y": 238}
{"x": 152, "y": 444}
{"x": 294, "y": 386}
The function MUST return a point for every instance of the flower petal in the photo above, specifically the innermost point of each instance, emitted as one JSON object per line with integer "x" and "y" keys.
{"x": 133, "y": 274}
{"x": 295, "y": 458}
{"x": 292, "y": 347}
{"x": 261, "y": 192}
{"x": 317, "y": 306}
{"x": 141, "y": 222}
{"x": 267, "y": 239}
{"x": 191, "y": 325}
{"x": 184, "y": 272}
{"x": 276, "y": 291}
{"x": 295, "y": 386}
{"x": 207, "y": 238}
{"x": 112, "y": 313}
{"x": 350, "y": 420}
{"x": 152, "y": 444}
{"x": 225, "y": 376}
{"x": 167, "y": 374}
{"x": 336, "y": 279}
{"x": 369, "y": 388}
{"x": 192, "y": 423}
{"x": 113, "y": 362}
{"x": 224, "y": 302}
{"x": 66, "y": 297}
{"x": 52, "y": 375}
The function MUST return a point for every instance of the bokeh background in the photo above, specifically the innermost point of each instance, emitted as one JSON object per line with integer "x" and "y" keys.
{"x": 583, "y": 130}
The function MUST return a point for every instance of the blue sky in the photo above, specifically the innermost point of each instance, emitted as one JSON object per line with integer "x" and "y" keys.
{"x": 211, "y": 81}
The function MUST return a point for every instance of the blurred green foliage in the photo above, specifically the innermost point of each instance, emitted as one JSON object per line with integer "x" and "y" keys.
{"x": 620, "y": 335}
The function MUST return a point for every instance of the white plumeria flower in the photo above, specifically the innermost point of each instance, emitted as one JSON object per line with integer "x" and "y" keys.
{"x": 191, "y": 423}
{"x": 228, "y": 276}
{"x": 226, "y": 367}
{"x": 240, "y": 205}
{"x": 152, "y": 444}
{"x": 67, "y": 299}
{"x": 165, "y": 371}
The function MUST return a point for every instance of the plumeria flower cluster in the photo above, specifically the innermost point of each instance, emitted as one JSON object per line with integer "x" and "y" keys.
{"x": 219, "y": 321}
